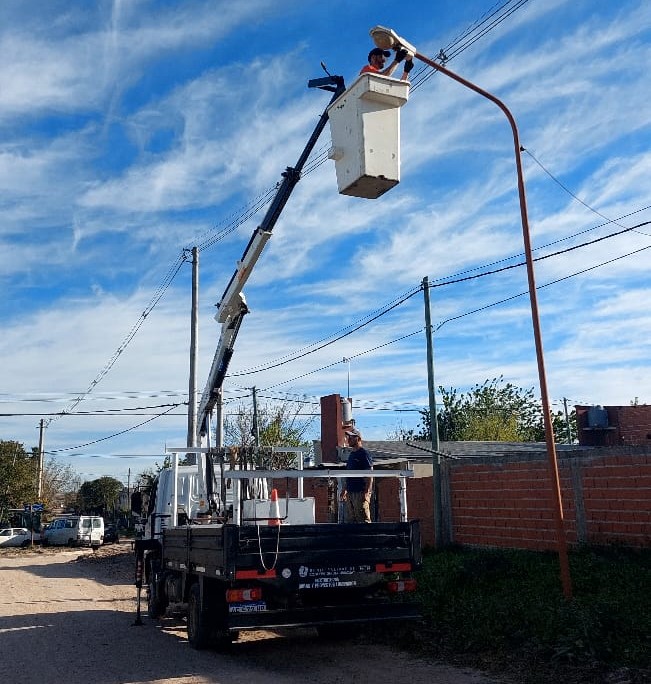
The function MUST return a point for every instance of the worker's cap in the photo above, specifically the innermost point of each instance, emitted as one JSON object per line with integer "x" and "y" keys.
{"x": 378, "y": 51}
{"x": 353, "y": 432}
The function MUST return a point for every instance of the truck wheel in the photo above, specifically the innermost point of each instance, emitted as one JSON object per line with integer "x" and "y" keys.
{"x": 199, "y": 628}
{"x": 155, "y": 607}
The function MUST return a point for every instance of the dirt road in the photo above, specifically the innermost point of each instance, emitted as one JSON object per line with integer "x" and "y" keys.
{"x": 66, "y": 617}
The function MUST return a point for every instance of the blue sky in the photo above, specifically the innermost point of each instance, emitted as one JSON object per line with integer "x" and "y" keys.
{"x": 130, "y": 131}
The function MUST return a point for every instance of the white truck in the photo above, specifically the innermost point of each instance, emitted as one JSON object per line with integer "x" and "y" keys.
{"x": 219, "y": 545}
{"x": 251, "y": 562}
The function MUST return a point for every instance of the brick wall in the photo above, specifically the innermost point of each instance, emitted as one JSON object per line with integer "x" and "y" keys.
{"x": 505, "y": 501}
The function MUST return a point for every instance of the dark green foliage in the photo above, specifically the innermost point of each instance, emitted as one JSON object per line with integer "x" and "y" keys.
{"x": 17, "y": 477}
{"x": 501, "y": 606}
{"x": 100, "y": 496}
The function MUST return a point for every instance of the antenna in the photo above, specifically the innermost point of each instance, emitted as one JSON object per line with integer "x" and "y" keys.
{"x": 325, "y": 68}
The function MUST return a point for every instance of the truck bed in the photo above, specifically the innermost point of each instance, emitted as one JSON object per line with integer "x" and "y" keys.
{"x": 223, "y": 550}
{"x": 311, "y": 574}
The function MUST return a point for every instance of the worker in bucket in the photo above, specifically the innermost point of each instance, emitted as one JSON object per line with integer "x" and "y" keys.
{"x": 357, "y": 490}
{"x": 378, "y": 57}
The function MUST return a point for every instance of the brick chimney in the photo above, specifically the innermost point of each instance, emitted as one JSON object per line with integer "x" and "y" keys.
{"x": 332, "y": 433}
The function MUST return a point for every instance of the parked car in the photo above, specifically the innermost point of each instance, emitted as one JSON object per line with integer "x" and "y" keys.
{"x": 111, "y": 534}
{"x": 15, "y": 536}
{"x": 76, "y": 530}
{"x": 43, "y": 530}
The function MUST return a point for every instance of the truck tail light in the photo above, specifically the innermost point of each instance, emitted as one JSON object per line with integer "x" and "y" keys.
{"x": 240, "y": 595}
{"x": 398, "y": 586}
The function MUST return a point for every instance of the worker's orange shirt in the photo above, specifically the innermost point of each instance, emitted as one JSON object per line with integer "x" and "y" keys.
{"x": 368, "y": 69}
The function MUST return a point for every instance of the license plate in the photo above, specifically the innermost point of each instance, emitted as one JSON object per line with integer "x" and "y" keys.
{"x": 249, "y": 607}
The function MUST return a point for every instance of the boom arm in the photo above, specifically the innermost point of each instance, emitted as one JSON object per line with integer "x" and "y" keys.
{"x": 232, "y": 306}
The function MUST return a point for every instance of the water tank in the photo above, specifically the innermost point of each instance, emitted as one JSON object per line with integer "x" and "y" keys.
{"x": 597, "y": 418}
{"x": 346, "y": 411}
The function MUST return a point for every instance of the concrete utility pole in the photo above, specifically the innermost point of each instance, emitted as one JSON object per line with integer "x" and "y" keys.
{"x": 256, "y": 425}
{"x": 433, "y": 423}
{"x": 41, "y": 452}
{"x": 194, "y": 337}
{"x": 567, "y": 422}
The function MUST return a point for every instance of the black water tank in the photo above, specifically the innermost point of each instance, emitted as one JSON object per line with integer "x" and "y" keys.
{"x": 597, "y": 418}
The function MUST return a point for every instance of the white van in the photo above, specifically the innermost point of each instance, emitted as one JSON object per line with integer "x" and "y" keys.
{"x": 76, "y": 530}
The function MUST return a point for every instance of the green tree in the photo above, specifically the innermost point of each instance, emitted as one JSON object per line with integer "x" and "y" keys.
{"x": 493, "y": 411}
{"x": 99, "y": 497}
{"x": 18, "y": 470}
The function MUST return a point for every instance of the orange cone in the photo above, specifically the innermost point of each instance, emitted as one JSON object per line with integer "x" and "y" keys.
{"x": 274, "y": 510}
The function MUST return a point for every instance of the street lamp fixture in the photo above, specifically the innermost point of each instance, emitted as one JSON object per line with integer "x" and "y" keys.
{"x": 387, "y": 39}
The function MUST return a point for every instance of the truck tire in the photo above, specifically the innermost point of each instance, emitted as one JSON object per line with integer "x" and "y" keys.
{"x": 199, "y": 627}
{"x": 155, "y": 606}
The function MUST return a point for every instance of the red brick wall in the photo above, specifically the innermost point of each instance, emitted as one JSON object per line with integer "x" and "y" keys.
{"x": 505, "y": 501}
{"x": 324, "y": 494}
{"x": 419, "y": 504}
{"x": 507, "y": 504}
{"x": 617, "y": 500}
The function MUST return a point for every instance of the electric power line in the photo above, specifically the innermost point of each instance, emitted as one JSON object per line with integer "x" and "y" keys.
{"x": 316, "y": 159}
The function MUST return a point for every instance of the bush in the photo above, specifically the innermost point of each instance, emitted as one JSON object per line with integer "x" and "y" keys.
{"x": 499, "y": 606}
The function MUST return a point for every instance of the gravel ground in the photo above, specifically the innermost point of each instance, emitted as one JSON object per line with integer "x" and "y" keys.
{"x": 67, "y": 617}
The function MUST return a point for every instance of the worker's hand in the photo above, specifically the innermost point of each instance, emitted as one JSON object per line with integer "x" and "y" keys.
{"x": 400, "y": 54}
{"x": 409, "y": 65}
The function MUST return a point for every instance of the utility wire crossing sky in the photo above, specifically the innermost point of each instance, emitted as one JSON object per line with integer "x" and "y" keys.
{"x": 133, "y": 132}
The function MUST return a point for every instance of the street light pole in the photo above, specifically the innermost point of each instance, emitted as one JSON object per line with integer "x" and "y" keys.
{"x": 385, "y": 39}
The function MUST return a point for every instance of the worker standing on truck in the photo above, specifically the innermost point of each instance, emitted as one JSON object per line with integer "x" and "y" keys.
{"x": 357, "y": 492}
{"x": 377, "y": 58}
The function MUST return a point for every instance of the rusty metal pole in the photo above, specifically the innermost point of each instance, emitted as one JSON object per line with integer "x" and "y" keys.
{"x": 561, "y": 541}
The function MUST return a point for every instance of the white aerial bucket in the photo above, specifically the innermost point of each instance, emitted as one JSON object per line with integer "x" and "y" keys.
{"x": 365, "y": 131}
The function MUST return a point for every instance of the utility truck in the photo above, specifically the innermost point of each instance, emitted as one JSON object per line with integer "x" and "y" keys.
{"x": 223, "y": 546}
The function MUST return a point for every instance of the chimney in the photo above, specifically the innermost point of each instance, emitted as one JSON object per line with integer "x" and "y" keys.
{"x": 332, "y": 433}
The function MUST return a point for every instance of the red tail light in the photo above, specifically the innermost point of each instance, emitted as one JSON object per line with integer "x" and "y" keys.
{"x": 398, "y": 586}
{"x": 239, "y": 595}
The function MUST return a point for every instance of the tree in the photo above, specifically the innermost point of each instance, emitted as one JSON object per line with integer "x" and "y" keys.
{"x": 100, "y": 496}
{"x": 493, "y": 411}
{"x": 279, "y": 424}
{"x": 60, "y": 484}
{"x": 18, "y": 469}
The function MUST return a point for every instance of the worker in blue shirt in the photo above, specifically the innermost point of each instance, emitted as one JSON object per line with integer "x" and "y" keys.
{"x": 358, "y": 490}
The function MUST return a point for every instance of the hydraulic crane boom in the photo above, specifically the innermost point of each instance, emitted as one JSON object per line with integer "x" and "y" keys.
{"x": 232, "y": 306}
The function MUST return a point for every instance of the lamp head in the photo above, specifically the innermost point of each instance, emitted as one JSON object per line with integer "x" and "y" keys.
{"x": 388, "y": 39}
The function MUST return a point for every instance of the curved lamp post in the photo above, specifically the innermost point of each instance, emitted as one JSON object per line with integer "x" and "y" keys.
{"x": 387, "y": 39}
